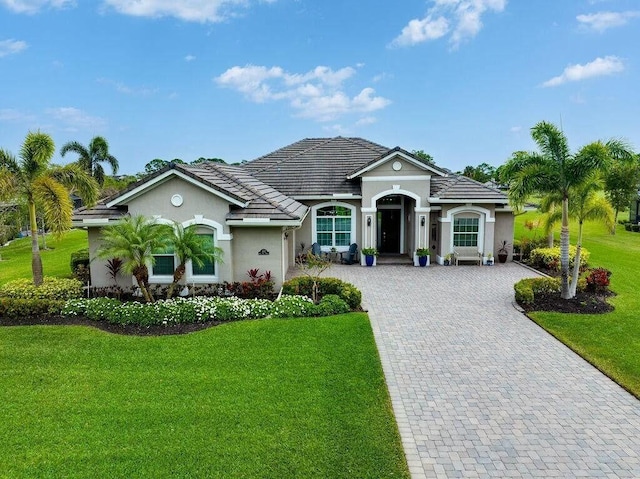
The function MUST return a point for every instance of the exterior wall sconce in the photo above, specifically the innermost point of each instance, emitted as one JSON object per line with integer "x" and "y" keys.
{"x": 368, "y": 220}
{"x": 422, "y": 220}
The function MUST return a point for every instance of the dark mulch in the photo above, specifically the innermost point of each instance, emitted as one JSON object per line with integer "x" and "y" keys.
{"x": 112, "y": 328}
{"x": 583, "y": 303}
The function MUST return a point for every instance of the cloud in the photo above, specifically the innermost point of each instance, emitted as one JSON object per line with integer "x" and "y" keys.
{"x": 11, "y": 46}
{"x": 15, "y": 116}
{"x": 460, "y": 19}
{"x": 598, "y": 67}
{"x": 515, "y": 129}
{"x": 72, "y": 119}
{"x": 34, "y": 6}
{"x": 367, "y": 120}
{"x": 318, "y": 94}
{"x": 126, "y": 89}
{"x": 189, "y": 58}
{"x": 602, "y": 21}
{"x": 202, "y": 11}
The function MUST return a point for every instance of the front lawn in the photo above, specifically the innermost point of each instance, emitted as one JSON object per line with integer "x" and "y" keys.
{"x": 268, "y": 398}
{"x": 609, "y": 341}
{"x": 16, "y": 257}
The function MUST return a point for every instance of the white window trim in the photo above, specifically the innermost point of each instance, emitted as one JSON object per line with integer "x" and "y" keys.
{"x": 314, "y": 231}
{"x": 465, "y": 216}
{"x": 469, "y": 213}
{"x": 216, "y": 230}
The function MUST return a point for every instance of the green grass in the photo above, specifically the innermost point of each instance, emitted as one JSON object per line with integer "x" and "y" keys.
{"x": 16, "y": 257}
{"x": 611, "y": 341}
{"x": 270, "y": 398}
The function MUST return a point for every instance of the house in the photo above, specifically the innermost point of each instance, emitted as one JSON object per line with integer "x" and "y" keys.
{"x": 333, "y": 191}
{"x": 634, "y": 209}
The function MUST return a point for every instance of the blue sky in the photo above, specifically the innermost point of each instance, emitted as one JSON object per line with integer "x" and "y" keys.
{"x": 463, "y": 80}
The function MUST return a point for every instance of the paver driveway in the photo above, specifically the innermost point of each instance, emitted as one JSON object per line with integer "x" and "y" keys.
{"x": 479, "y": 390}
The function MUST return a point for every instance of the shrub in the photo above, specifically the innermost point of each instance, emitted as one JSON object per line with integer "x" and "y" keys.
{"x": 525, "y": 245}
{"x": 627, "y": 226}
{"x": 331, "y": 304}
{"x": 51, "y": 288}
{"x": 549, "y": 258}
{"x": 16, "y": 308}
{"x": 526, "y": 289}
{"x": 7, "y": 232}
{"x": 80, "y": 257}
{"x": 82, "y": 273}
{"x": 259, "y": 286}
{"x": 303, "y": 285}
{"x": 292, "y": 306}
{"x": 635, "y": 228}
{"x": 598, "y": 280}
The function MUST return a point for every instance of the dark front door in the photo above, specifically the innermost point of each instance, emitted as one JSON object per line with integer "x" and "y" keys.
{"x": 390, "y": 222}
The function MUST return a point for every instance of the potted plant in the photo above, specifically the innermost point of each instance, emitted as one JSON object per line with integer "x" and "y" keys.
{"x": 503, "y": 252}
{"x": 489, "y": 259}
{"x": 447, "y": 259}
{"x": 423, "y": 255}
{"x": 369, "y": 255}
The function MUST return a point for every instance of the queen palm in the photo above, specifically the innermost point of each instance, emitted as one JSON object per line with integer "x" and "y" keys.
{"x": 91, "y": 157}
{"x": 554, "y": 170}
{"x": 188, "y": 245}
{"x": 34, "y": 181}
{"x": 134, "y": 240}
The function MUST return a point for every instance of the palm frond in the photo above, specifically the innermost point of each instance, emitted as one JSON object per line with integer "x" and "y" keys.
{"x": 9, "y": 184}
{"x": 551, "y": 141}
{"x": 77, "y": 180}
{"x": 35, "y": 154}
{"x": 53, "y": 198}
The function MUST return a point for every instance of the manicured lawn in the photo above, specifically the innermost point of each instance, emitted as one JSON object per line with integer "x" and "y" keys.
{"x": 269, "y": 398}
{"x": 611, "y": 341}
{"x": 16, "y": 257}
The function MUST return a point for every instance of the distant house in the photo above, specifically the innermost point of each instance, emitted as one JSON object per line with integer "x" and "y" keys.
{"x": 330, "y": 191}
{"x": 634, "y": 209}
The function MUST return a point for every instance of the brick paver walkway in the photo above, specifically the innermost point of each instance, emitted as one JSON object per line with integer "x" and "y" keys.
{"x": 479, "y": 390}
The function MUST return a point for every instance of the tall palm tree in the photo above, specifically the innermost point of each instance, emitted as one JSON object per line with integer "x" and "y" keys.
{"x": 188, "y": 245}
{"x": 91, "y": 157}
{"x": 555, "y": 170}
{"x": 33, "y": 180}
{"x": 134, "y": 240}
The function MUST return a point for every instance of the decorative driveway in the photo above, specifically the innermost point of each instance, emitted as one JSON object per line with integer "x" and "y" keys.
{"x": 479, "y": 390}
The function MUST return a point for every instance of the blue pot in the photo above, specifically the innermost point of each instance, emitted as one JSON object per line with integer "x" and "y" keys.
{"x": 422, "y": 260}
{"x": 369, "y": 259}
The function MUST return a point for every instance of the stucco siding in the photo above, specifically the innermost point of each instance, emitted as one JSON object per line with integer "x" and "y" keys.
{"x": 248, "y": 242}
{"x": 504, "y": 228}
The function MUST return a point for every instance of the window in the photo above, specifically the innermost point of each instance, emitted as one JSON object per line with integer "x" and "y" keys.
{"x": 208, "y": 268}
{"x": 164, "y": 264}
{"x": 465, "y": 231}
{"x": 334, "y": 226}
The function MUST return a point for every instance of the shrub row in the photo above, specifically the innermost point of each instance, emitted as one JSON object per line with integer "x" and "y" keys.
{"x": 303, "y": 285}
{"x": 635, "y": 227}
{"x": 549, "y": 258}
{"x": 200, "y": 309}
{"x": 16, "y": 308}
{"x": 527, "y": 288}
{"x": 51, "y": 288}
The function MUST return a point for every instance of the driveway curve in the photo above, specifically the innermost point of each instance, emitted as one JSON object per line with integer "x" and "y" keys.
{"x": 479, "y": 390}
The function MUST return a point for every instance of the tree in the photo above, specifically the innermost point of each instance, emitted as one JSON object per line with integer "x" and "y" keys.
{"x": 210, "y": 160}
{"x": 426, "y": 157}
{"x": 91, "y": 157}
{"x": 134, "y": 240}
{"x": 482, "y": 173}
{"x": 158, "y": 163}
{"x": 555, "y": 170}
{"x": 621, "y": 186}
{"x": 31, "y": 179}
{"x": 188, "y": 245}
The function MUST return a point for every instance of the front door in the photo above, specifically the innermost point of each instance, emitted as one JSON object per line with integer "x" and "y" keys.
{"x": 390, "y": 221}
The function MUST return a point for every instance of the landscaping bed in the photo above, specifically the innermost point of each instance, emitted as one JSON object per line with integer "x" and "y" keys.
{"x": 583, "y": 303}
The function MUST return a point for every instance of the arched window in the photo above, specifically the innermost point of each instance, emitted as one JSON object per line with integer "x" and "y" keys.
{"x": 207, "y": 271}
{"x": 334, "y": 226}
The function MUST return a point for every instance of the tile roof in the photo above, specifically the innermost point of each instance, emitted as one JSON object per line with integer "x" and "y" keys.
{"x": 99, "y": 212}
{"x": 456, "y": 187}
{"x": 316, "y": 166}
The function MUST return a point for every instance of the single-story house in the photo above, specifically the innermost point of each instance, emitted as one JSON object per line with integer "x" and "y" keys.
{"x": 330, "y": 191}
{"x": 634, "y": 209}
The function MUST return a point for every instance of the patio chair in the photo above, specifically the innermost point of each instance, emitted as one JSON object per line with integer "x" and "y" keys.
{"x": 351, "y": 255}
{"x": 315, "y": 249}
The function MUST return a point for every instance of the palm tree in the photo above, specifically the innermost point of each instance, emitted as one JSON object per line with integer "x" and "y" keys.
{"x": 40, "y": 185}
{"x": 91, "y": 157}
{"x": 188, "y": 245}
{"x": 585, "y": 204}
{"x": 134, "y": 240}
{"x": 555, "y": 170}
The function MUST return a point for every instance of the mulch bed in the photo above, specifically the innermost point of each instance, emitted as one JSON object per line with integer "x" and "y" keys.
{"x": 111, "y": 328}
{"x": 583, "y": 303}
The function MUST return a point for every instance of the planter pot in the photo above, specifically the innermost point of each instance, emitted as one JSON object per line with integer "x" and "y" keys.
{"x": 423, "y": 260}
{"x": 502, "y": 257}
{"x": 369, "y": 259}
{"x": 447, "y": 262}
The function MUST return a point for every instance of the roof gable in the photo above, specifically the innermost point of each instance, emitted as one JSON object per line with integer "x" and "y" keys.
{"x": 394, "y": 154}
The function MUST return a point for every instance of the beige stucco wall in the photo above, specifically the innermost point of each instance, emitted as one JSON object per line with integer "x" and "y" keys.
{"x": 504, "y": 231}
{"x": 248, "y": 241}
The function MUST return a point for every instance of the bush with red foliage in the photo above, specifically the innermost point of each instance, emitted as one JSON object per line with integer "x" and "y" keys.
{"x": 598, "y": 280}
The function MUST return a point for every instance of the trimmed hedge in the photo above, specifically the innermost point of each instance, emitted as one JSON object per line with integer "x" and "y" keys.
{"x": 51, "y": 288}
{"x": 303, "y": 285}
{"x": 549, "y": 258}
{"x": 80, "y": 257}
{"x": 16, "y": 308}
{"x": 527, "y": 288}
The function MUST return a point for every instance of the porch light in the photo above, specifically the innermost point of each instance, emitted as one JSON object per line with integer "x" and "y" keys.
{"x": 422, "y": 220}
{"x": 368, "y": 220}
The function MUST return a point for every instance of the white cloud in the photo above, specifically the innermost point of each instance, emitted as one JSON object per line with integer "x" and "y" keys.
{"x": 189, "y": 58}
{"x": 12, "y": 115}
{"x": 126, "y": 89}
{"x": 318, "y": 94}
{"x": 602, "y": 21}
{"x": 598, "y": 67}
{"x": 515, "y": 129}
{"x": 72, "y": 119}
{"x": 367, "y": 120}
{"x": 34, "y": 6}
{"x": 460, "y": 19}
{"x": 187, "y": 10}
{"x": 11, "y": 46}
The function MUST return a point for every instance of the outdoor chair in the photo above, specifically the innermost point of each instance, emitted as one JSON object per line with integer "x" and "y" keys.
{"x": 315, "y": 249}
{"x": 350, "y": 256}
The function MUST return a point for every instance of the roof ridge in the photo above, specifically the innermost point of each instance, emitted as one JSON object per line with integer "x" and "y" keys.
{"x": 268, "y": 167}
{"x": 216, "y": 167}
{"x": 364, "y": 142}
